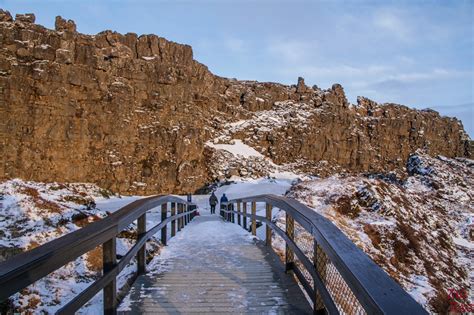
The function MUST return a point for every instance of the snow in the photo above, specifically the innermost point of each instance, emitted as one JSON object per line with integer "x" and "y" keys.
{"x": 255, "y": 187}
{"x": 206, "y": 229}
{"x": 32, "y": 214}
{"x": 437, "y": 216}
{"x": 463, "y": 243}
{"x": 149, "y": 57}
{"x": 417, "y": 229}
{"x": 237, "y": 147}
{"x": 246, "y": 188}
{"x": 421, "y": 290}
{"x": 114, "y": 203}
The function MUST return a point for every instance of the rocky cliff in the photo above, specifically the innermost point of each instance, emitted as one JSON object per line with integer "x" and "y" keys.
{"x": 133, "y": 114}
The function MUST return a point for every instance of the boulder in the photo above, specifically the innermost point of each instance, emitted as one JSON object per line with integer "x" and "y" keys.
{"x": 25, "y": 18}
{"x": 61, "y": 25}
{"x": 301, "y": 86}
{"x": 5, "y": 16}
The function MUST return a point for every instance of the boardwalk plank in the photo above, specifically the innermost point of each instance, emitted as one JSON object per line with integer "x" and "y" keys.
{"x": 215, "y": 275}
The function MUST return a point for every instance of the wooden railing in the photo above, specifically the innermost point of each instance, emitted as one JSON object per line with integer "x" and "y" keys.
{"x": 26, "y": 268}
{"x": 334, "y": 272}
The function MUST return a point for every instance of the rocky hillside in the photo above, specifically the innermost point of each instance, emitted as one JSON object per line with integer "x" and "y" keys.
{"x": 133, "y": 114}
{"x": 419, "y": 230}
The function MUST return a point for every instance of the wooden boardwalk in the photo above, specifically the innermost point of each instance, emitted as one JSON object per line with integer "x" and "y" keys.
{"x": 215, "y": 267}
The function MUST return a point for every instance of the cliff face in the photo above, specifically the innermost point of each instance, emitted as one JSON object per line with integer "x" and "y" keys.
{"x": 132, "y": 114}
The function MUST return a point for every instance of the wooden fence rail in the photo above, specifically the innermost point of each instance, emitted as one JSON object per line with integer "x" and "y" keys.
{"x": 370, "y": 288}
{"x": 26, "y": 268}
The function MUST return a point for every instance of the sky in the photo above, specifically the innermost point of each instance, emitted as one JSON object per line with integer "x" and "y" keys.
{"x": 416, "y": 53}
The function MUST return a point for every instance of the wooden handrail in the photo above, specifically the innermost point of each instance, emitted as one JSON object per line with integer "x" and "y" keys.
{"x": 376, "y": 292}
{"x": 28, "y": 267}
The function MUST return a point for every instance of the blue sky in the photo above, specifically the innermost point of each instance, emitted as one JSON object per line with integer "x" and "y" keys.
{"x": 416, "y": 53}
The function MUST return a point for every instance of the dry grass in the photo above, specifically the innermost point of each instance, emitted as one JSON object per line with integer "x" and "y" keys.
{"x": 75, "y": 199}
{"x": 32, "y": 245}
{"x": 441, "y": 302}
{"x": 94, "y": 259}
{"x": 374, "y": 235}
{"x": 32, "y": 302}
{"x": 39, "y": 201}
{"x": 343, "y": 206}
{"x": 82, "y": 219}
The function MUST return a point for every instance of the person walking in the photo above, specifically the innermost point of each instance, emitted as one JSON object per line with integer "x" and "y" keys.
{"x": 223, "y": 202}
{"x": 213, "y": 202}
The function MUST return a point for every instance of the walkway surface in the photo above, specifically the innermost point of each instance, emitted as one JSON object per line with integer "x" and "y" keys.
{"x": 213, "y": 266}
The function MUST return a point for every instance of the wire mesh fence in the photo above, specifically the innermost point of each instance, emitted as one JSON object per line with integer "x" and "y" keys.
{"x": 344, "y": 298}
{"x": 299, "y": 251}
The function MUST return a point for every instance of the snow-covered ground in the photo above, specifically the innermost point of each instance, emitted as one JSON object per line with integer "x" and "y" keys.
{"x": 218, "y": 260}
{"x": 32, "y": 214}
{"x": 236, "y": 147}
{"x": 417, "y": 229}
{"x": 114, "y": 203}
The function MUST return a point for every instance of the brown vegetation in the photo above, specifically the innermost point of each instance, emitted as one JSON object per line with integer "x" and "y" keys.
{"x": 94, "y": 259}
{"x": 39, "y": 201}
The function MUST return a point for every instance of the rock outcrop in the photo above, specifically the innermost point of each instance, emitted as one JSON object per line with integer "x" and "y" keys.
{"x": 132, "y": 114}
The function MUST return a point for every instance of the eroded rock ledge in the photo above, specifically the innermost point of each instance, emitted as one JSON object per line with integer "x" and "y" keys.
{"x": 132, "y": 114}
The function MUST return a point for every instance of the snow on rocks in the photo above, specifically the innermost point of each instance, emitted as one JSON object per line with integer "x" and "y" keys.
{"x": 32, "y": 214}
{"x": 236, "y": 160}
{"x": 237, "y": 148}
{"x": 229, "y": 165}
{"x": 417, "y": 230}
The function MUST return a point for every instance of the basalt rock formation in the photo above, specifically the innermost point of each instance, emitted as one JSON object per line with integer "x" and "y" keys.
{"x": 132, "y": 114}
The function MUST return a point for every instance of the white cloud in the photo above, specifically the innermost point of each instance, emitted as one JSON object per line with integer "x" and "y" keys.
{"x": 389, "y": 22}
{"x": 367, "y": 75}
{"x": 434, "y": 74}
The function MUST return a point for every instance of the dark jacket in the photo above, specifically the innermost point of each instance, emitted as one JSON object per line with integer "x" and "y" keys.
{"x": 224, "y": 199}
{"x": 213, "y": 200}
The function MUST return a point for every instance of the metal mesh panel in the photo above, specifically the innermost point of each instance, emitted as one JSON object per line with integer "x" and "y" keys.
{"x": 304, "y": 241}
{"x": 342, "y": 295}
{"x": 278, "y": 243}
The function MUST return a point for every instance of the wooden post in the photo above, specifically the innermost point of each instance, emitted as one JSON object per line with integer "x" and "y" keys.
{"x": 188, "y": 207}
{"x": 244, "y": 208}
{"x": 232, "y": 214}
{"x": 173, "y": 222}
{"x": 268, "y": 230}
{"x": 182, "y": 218}
{"x": 254, "y": 219}
{"x": 179, "y": 219}
{"x": 188, "y": 218}
{"x": 141, "y": 230}
{"x": 228, "y": 216}
{"x": 185, "y": 217}
{"x": 238, "y": 213}
{"x": 290, "y": 232}
{"x": 109, "y": 260}
{"x": 164, "y": 213}
{"x": 319, "y": 261}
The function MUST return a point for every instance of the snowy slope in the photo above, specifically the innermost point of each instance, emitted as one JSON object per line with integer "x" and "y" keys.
{"x": 32, "y": 214}
{"x": 417, "y": 230}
